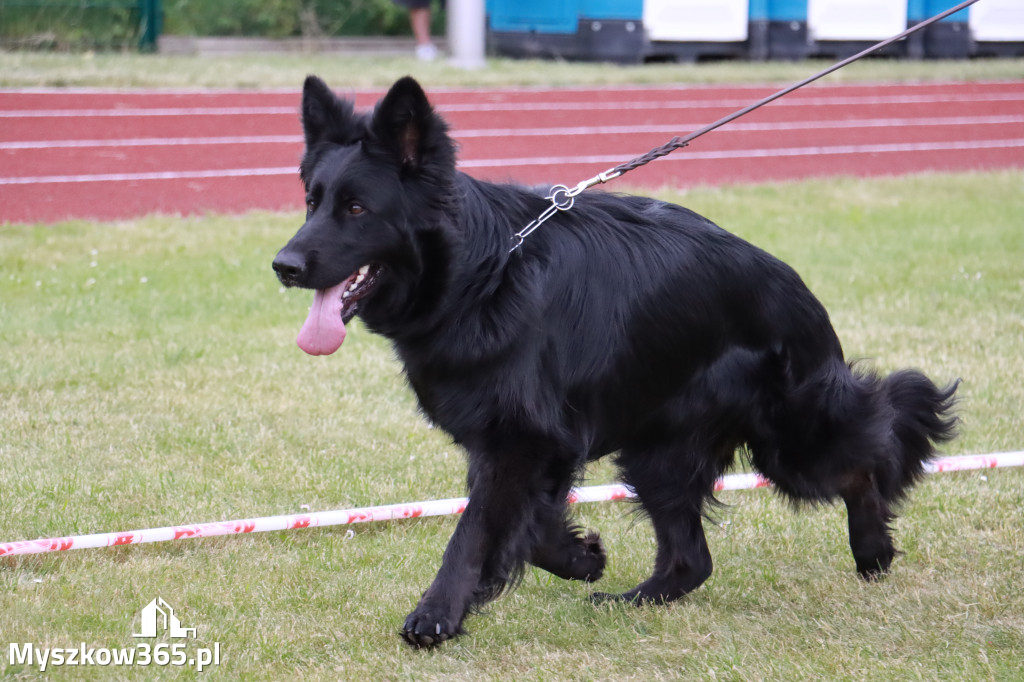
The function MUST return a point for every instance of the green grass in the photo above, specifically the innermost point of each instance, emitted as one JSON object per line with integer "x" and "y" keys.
{"x": 24, "y": 69}
{"x": 149, "y": 377}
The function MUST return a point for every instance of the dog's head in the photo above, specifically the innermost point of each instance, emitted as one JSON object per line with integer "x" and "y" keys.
{"x": 377, "y": 188}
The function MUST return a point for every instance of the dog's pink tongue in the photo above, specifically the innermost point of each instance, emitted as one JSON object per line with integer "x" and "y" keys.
{"x": 324, "y": 331}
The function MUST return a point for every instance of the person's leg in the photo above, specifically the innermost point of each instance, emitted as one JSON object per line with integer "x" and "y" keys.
{"x": 420, "y": 19}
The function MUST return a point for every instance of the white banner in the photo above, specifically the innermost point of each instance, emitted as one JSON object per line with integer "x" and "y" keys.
{"x": 721, "y": 21}
{"x": 998, "y": 20}
{"x": 856, "y": 19}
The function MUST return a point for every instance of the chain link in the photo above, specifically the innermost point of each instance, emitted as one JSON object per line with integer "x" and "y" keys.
{"x": 562, "y": 198}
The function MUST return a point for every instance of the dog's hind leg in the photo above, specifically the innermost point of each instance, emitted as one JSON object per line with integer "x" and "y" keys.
{"x": 860, "y": 437}
{"x": 672, "y": 494}
{"x": 914, "y": 415}
{"x": 869, "y": 517}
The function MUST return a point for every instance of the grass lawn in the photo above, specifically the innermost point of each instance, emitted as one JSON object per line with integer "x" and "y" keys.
{"x": 27, "y": 69}
{"x": 149, "y": 377}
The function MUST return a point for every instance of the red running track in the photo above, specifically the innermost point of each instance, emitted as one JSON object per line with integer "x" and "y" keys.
{"x": 118, "y": 154}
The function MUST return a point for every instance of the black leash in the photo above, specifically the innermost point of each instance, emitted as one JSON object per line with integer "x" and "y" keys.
{"x": 562, "y": 198}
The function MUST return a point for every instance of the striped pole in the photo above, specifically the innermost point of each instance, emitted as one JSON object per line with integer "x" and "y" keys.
{"x": 411, "y": 510}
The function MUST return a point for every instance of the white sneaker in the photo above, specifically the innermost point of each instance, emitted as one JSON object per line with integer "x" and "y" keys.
{"x": 426, "y": 52}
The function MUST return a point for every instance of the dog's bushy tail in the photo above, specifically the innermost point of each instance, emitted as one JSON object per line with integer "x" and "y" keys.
{"x": 848, "y": 428}
{"x": 922, "y": 417}
{"x": 847, "y": 432}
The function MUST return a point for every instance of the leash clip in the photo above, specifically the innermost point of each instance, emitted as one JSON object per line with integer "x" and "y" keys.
{"x": 562, "y": 199}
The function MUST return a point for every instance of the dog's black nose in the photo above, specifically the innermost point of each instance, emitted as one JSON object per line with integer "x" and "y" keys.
{"x": 289, "y": 266}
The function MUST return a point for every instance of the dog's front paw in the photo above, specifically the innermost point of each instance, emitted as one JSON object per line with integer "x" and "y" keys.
{"x": 428, "y": 626}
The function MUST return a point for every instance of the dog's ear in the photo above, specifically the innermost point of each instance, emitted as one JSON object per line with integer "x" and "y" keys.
{"x": 325, "y": 118}
{"x": 405, "y": 125}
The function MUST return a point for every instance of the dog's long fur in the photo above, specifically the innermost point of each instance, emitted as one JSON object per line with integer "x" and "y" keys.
{"x": 626, "y": 325}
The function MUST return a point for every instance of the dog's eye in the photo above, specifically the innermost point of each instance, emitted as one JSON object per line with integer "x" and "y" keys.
{"x": 356, "y": 209}
{"x": 310, "y": 205}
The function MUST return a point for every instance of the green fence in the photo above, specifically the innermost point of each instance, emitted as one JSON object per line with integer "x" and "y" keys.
{"x": 76, "y": 24}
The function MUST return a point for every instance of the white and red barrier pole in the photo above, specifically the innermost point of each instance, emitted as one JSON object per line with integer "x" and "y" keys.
{"x": 599, "y": 493}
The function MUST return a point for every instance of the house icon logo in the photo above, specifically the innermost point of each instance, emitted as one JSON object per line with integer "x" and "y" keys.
{"x": 158, "y": 614}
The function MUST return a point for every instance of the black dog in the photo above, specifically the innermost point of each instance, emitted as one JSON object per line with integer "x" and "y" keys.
{"x": 625, "y": 325}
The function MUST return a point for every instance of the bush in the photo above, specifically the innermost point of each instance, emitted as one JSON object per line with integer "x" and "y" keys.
{"x": 286, "y": 18}
{"x": 70, "y": 27}
{"x": 79, "y": 26}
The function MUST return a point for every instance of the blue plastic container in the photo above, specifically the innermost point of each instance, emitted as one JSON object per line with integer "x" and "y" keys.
{"x": 947, "y": 39}
{"x": 778, "y": 29}
{"x": 534, "y": 16}
{"x": 596, "y": 30}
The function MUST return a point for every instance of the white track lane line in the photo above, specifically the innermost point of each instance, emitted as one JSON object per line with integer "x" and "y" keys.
{"x": 815, "y": 125}
{"x": 908, "y": 147}
{"x": 904, "y": 147}
{"x": 519, "y": 106}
